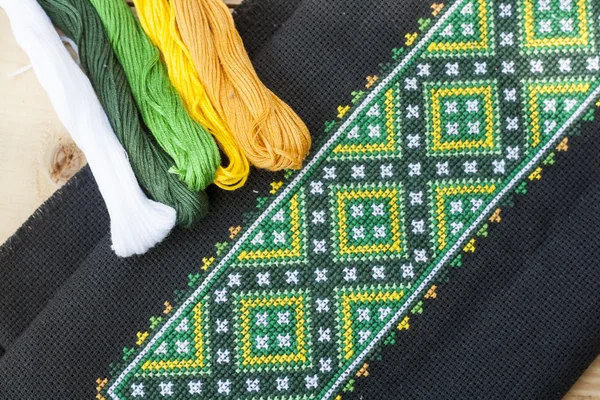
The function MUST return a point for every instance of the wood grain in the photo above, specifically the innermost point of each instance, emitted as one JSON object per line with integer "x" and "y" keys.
{"x": 37, "y": 156}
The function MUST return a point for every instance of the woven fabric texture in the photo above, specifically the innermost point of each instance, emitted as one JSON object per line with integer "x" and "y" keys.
{"x": 490, "y": 322}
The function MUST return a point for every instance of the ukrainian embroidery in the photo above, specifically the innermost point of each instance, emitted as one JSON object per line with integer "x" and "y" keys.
{"x": 346, "y": 250}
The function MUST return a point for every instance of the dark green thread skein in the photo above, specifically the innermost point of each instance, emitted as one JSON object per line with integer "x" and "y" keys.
{"x": 79, "y": 21}
{"x": 192, "y": 147}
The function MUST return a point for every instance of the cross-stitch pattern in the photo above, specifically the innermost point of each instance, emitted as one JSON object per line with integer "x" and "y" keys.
{"x": 338, "y": 258}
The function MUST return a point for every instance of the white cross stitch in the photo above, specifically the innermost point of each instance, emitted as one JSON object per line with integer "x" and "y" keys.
{"x": 443, "y": 168}
{"x": 377, "y": 210}
{"x": 325, "y": 365}
{"x": 407, "y": 271}
{"x": 364, "y": 314}
{"x": 259, "y": 238}
{"x": 418, "y": 227}
{"x": 499, "y": 166}
{"x": 452, "y": 69}
{"x": 421, "y": 255}
{"x": 412, "y": 111}
{"x": 279, "y": 237}
{"x": 505, "y": 10}
{"x": 222, "y": 326}
{"x": 311, "y": 381}
{"x": 329, "y": 173}
{"x": 378, "y": 272}
{"x": 283, "y": 383}
{"x": 284, "y": 341}
{"x": 222, "y": 356}
{"x": 472, "y": 106}
{"x": 283, "y": 318}
{"x": 512, "y": 153}
{"x": 166, "y": 388}
{"x": 322, "y": 305}
{"x": 195, "y": 387}
{"x": 413, "y": 141}
{"x": 292, "y": 277}
{"x": 387, "y": 171}
{"x": 470, "y": 167}
{"x": 374, "y": 131}
{"x": 137, "y": 390}
{"x": 564, "y": 65}
{"x": 318, "y": 217}
{"x": 253, "y": 385}
{"x": 416, "y": 198}
{"x": 467, "y": 29}
{"x": 224, "y": 387}
{"x": 182, "y": 347}
{"x": 316, "y": 187}
{"x": 262, "y": 342}
{"x": 414, "y": 169}
{"x": 263, "y": 278}
{"x": 410, "y": 83}
{"x": 510, "y": 94}
{"x": 358, "y": 171}
{"x": 350, "y": 274}
{"x": 221, "y": 296}
{"x": 364, "y": 336}
{"x": 319, "y": 246}
{"x": 324, "y": 335}
{"x": 451, "y": 107}
{"x": 321, "y": 275}
{"x": 537, "y": 66}
{"x": 456, "y": 207}
{"x": 508, "y": 67}
{"x": 358, "y": 232}
{"x": 262, "y": 319}
{"x": 183, "y": 326}
{"x": 507, "y": 39}
{"x": 424, "y": 69}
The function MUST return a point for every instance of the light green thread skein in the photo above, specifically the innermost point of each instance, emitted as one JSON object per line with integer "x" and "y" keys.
{"x": 191, "y": 146}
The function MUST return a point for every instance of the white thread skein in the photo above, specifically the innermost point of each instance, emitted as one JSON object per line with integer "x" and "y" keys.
{"x": 136, "y": 223}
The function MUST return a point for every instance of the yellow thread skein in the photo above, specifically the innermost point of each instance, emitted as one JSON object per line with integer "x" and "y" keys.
{"x": 158, "y": 20}
{"x": 268, "y": 130}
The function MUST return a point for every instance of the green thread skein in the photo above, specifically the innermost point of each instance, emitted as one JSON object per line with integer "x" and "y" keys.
{"x": 192, "y": 147}
{"x": 79, "y": 21}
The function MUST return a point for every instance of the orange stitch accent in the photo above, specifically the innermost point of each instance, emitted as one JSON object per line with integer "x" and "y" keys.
{"x": 563, "y": 145}
{"x": 431, "y": 294}
{"x": 437, "y": 8}
{"x": 363, "y": 371}
{"x": 496, "y": 218}
{"x": 100, "y": 383}
{"x": 168, "y": 308}
{"x": 371, "y": 81}
{"x": 234, "y": 230}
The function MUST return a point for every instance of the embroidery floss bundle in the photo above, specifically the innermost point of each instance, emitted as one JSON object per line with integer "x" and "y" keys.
{"x": 269, "y": 131}
{"x": 195, "y": 152}
{"x": 158, "y": 20}
{"x": 137, "y": 223}
{"x": 78, "y": 19}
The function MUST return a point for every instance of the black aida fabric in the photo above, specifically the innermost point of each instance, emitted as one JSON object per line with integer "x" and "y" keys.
{"x": 518, "y": 320}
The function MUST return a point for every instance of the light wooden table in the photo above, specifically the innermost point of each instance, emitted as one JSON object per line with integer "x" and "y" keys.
{"x": 37, "y": 156}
